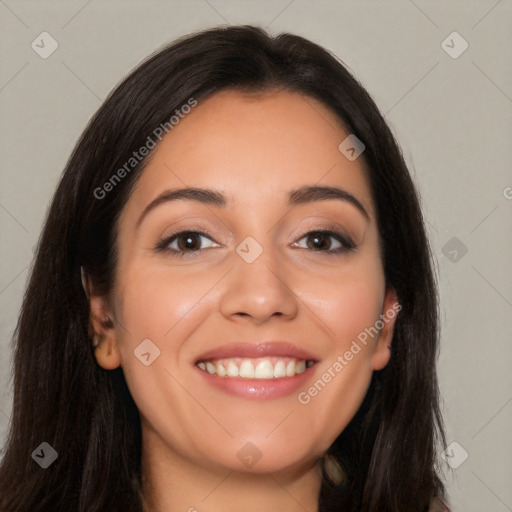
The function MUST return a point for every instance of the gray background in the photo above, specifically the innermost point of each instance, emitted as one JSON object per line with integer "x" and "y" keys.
{"x": 452, "y": 116}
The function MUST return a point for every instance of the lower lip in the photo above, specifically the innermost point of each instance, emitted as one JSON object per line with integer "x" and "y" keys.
{"x": 258, "y": 388}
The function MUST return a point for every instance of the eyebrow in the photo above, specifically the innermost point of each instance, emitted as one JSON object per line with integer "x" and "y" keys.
{"x": 201, "y": 195}
{"x": 302, "y": 195}
{"x": 320, "y": 193}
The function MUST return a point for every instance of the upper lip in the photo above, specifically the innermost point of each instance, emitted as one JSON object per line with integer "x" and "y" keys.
{"x": 257, "y": 350}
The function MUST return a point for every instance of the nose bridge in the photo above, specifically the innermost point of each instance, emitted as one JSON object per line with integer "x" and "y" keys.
{"x": 258, "y": 284}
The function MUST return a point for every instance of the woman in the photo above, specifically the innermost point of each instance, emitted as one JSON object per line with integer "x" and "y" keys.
{"x": 232, "y": 305}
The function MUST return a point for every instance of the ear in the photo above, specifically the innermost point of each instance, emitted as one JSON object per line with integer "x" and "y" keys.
{"x": 101, "y": 323}
{"x": 390, "y": 310}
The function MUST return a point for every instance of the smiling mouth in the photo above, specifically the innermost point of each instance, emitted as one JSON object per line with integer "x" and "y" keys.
{"x": 256, "y": 368}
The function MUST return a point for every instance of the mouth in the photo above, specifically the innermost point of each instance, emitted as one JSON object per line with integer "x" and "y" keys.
{"x": 256, "y": 368}
{"x": 261, "y": 370}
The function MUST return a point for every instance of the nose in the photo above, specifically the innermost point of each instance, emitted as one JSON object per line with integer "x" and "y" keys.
{"x": 259, "y": 291}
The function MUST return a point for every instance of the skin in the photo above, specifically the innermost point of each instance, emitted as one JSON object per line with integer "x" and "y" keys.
{"x": 255, "y": 149}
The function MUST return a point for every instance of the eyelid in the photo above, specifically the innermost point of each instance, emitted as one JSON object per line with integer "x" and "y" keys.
{"x": 165, "y": 241}
{"x": 322, "y": 224}
{"x": 347, "y": 244}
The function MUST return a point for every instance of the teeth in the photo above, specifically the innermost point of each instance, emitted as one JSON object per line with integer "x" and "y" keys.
{"x": 279, "y": 370}
{"x": 259, "y": 368}
{"x": 221, "y": 370}
{"x": 232, "y": 369}
{"x": 264, "y": 370}
{"x": 300, "y": 367}
{"x": 247, "y": 370}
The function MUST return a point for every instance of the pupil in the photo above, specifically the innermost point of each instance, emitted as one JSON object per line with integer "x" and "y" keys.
{"x": 321, "y": 241}
{"x": 189, "y": 241}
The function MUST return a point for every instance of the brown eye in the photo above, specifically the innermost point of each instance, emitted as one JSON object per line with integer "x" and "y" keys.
{"x": 186, "y": 242}
{"x": 319, "y": 241}
{"x": 326, "y": 241}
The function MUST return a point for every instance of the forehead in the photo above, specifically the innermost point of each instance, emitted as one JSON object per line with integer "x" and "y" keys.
{"x": 253, "y": 147}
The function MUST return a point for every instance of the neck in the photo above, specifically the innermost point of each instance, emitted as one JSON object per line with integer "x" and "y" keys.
{"x": 172, "y": 483}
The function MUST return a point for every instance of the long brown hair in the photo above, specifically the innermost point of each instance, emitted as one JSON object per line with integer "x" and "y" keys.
{"x": 62, "y": 396}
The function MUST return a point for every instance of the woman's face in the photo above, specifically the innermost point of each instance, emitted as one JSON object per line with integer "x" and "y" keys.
{"x": 276, "y": 278}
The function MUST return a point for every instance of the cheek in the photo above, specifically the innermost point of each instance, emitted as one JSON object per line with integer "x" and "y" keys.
{"x": 155, "y": 305}
{"x": 154, "y": 301}
{"x": 347, "y": 302}
{"x": 163, "y": 305}
{"x": 348, "y": 308}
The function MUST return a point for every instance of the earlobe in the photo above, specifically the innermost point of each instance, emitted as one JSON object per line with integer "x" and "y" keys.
{"x": 390, "y": 310}
{"x": 107, "y": 354}
{"x": 104, "y": 339}
{"x": 100, "y": 320}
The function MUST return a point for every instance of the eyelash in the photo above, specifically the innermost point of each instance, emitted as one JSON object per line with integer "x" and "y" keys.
{"x": 347, "y": 244}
